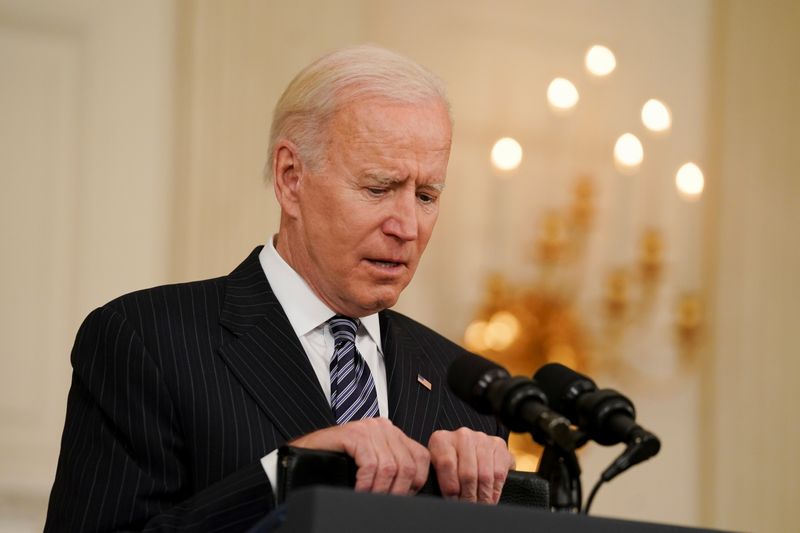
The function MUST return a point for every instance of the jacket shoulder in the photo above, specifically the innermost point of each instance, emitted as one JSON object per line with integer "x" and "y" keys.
{"x": 164, "y": 300}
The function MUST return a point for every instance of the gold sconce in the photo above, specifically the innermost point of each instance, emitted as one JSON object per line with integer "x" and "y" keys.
{"x": 550, "y": 318}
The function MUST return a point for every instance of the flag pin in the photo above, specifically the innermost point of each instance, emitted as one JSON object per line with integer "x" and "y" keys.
{"x": 424, "y": 382}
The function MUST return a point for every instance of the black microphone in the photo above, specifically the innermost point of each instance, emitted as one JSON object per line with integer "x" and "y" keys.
{"x": 518, "y": 402}
{"x": 605, "y": 415}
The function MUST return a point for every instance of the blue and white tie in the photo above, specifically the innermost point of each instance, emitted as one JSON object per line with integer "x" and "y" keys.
{"x": 353, "y": 395}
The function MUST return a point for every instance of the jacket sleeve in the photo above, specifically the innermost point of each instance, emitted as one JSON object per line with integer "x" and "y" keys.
{"x": 123, "y": 463}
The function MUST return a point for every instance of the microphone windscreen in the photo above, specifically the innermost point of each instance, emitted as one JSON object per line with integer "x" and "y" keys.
{"x": 561, "y": 385}
{"x": 468, "y": 377}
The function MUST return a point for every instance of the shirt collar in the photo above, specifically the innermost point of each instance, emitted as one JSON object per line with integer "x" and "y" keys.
{"x": 304, "y": 309}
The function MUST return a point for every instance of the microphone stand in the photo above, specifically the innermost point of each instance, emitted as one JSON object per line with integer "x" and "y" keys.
{"x": 560, "y": 467}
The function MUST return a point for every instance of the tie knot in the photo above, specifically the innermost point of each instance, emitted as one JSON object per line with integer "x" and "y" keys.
{"x": 343, "y": 328}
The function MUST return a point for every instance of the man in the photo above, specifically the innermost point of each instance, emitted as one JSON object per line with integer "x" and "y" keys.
{"x": 181, "y": 394}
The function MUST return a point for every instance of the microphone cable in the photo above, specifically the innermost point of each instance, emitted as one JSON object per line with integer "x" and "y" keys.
{"x": 592, "y": 494}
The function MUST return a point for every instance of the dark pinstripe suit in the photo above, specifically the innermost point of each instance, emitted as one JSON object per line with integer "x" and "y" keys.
{"x": 178, "y": 391}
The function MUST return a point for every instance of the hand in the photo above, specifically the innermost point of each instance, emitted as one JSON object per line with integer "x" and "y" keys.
{"x": 387, "y": 460}
{"x": 470, "y": 465}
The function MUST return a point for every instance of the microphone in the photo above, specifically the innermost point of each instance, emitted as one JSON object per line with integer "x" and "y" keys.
{"x": 518, "y": 402}
{"x": 606, "y": 416}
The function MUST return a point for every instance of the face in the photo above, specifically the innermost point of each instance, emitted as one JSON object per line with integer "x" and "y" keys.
{"x": 359, "y": 225}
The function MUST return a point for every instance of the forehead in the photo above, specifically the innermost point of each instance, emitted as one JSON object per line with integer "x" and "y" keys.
{"x": 423, "y": 125}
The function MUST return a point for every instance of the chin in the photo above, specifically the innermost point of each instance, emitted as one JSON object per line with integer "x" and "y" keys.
{"x": 381, "y": 303}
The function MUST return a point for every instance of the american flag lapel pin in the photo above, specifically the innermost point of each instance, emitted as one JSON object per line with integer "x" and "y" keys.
{"x": 424, "y": 382}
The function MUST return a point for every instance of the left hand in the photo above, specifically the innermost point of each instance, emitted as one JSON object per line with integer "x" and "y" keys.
{"x": 470, "y": 465}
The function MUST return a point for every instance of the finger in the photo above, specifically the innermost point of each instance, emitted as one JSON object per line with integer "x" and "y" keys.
{"x": 467, "y": 466}
{"x": 485, "y": 456}
{"x": 422, "y": 460}
{"x": 366, "y": 460}
{"x": 503, "y": 462}
{"x": 400, "y": 445}
{"x": 387, "y": 461}
{"x": 445, "y": 463}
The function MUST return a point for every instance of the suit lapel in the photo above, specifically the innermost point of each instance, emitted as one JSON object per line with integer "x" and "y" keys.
{"x": 270, "y": 363}
{"x": 266, "y": 356}
{"x": 412, "y": 406}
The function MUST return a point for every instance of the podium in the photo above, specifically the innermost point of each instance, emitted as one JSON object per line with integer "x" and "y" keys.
{"x": 336, "y": 510}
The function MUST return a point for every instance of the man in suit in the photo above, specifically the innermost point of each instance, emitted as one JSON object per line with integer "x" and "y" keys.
{"x": 181, "y": 394}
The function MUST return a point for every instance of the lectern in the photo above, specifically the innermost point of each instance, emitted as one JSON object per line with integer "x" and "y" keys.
{"x": 337, "y": 510}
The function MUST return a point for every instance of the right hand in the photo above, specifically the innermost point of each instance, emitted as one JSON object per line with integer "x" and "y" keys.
{"x": 387, "y": 460}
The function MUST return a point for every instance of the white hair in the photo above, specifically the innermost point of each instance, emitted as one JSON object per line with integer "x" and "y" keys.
{"x": 339, "y": 78}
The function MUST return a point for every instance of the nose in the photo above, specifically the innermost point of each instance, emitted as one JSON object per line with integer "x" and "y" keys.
{"x": 402, "y": 220}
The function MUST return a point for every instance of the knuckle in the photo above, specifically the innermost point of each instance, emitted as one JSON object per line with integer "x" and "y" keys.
{"x": 363, "y": 475}
{"x": 469, "y": 479}
{"x": 368, "y": 467}
{"x": 464, "y": 433}
{"x": 388, "y": 469}
{"x": 407, "y": 470}
{"x": 449, "y": 488}
{"x": 445, "y": 464}
{"x": 497, "y": 442}
{"x": 486, "y": 479}
{"x": 437, "y": 436}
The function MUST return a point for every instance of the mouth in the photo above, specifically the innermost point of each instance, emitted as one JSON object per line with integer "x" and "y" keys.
{"x": 386, "y": 265}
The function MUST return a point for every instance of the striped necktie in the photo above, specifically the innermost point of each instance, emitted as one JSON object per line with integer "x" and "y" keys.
{"x": 353, "y": 395}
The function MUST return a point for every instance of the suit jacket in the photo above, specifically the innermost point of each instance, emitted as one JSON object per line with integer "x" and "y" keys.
{"x": 178, "y": 391}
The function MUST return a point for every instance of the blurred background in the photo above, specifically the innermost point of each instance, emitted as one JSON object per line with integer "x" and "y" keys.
{"x": 653, "y": 246}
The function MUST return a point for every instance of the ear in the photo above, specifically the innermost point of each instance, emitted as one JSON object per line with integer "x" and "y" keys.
{"x": 287, "y": 170}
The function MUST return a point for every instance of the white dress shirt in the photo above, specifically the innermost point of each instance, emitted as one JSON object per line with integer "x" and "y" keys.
{"x": 308, "y": 316}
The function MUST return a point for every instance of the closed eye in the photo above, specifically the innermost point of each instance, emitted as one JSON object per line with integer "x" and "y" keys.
{"x": 376, "y": 191}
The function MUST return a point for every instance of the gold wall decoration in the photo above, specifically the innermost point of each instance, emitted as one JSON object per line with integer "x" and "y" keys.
{"x": 523, "y": 326}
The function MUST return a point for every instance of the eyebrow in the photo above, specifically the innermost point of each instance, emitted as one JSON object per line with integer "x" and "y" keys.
{"x": 386, "y": 179}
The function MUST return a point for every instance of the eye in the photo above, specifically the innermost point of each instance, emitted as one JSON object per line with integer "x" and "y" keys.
{"x": 376, "y": 191}
{"x": 426, "y": 198}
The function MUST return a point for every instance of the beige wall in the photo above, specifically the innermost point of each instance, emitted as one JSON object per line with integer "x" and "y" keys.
{"x": 86, "y": 135}
{"x": 160, "y": 130}
{"x": 752, "y": 440}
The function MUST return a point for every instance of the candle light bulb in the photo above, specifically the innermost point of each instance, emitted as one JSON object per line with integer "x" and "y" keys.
{"x": 600, "y": 61}
{"x": 690, "y": 181}
{"x": 656, "y": 115}
{"x": 506, "y": 154}
{"x": 628, "y": 152}
{"x": 562, "y": 94}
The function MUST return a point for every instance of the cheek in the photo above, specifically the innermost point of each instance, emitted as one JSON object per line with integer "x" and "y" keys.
{"x": 426, "y": 224}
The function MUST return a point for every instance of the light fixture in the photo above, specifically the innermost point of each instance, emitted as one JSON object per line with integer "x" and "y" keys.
{"x": 656, "y": 115}
{"x": 497, "y": 333}
{"x": 600, "y": 61}
{"x": 690, "y": 181}
{"x": 562, "y": 94}
{"x": 628, "y": 152}
{"x": 506, "y": 154}
{"x": 474, "y": 336}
